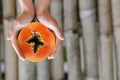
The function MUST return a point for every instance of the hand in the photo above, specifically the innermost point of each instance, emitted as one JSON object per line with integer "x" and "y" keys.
{"x": 25, "y": 18}
{"x": 51, "y": 23}
{"x": 43, "y": 15}
{"x": 19, "y": 23}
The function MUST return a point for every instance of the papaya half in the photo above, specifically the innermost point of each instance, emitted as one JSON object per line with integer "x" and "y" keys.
{"x": 36, "y": 41}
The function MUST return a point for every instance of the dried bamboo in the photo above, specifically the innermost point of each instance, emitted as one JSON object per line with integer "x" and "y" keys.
{"x": 1, "y": 44}
{"x": 57, "y": 72}
{"x": 43, "y": 70}
{"x": 26, "y": 69}
{"x": 88, "y": 21}
{"x": 1, "y": 49}
{"x": 105, "y": 20}
{"x": 72, "y": 40}
{"x": 11, "y": 66}
{"x": 43, "y": 67}
{"x": 116, "y": 28}
{"x": 1, "y": 40}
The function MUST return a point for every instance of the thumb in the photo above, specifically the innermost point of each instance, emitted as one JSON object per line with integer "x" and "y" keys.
{"x": 9, "y": 36}
{"x": 59, "y": 35}
{"x": 57, "y": 32}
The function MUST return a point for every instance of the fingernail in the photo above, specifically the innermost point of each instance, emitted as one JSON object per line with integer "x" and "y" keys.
{"x": 50, "y": 57}
{"x": 22, "y": 59}
{"x": 61, "y": 37}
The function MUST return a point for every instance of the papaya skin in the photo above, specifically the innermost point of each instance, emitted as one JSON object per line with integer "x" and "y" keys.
{"x": 36, "y": 42}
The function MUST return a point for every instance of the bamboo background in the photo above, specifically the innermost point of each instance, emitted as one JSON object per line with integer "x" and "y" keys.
{"x": 90, "y": 51}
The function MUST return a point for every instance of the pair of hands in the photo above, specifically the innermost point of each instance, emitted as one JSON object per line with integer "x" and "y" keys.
{"x": 27, "y": 15}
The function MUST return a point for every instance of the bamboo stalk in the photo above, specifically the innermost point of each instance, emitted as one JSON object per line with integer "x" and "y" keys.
{"x": 88, "y": 21}
{"x": 11, "y": 66}
{"x": 57, "y": 71}
{"x": 26, "y": 69}
{"x": 1, "y": 39}
{"x": 105, "y": 19}
{"x": 1, "y": 43}
{"x": 43, "y": 67}
{"x": 116, "y": 28}
{"x": 1, "y": 50}
{"x": 43, "y": 70}
{"x": 71, "y": 39}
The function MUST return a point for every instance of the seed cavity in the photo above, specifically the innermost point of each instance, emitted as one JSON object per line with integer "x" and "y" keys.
{"x": 36, "y": 41}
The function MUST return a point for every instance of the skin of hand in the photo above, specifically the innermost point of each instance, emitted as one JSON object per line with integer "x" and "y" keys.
{"x": 28, "y": 13}
{"x": 43, "y": 15}
{"x": 26, "y": 17}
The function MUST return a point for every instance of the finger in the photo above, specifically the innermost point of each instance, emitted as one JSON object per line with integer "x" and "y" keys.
{"x": 55, "y": 29}
{"x": 51, "y": 24}
{"x": 58, "y": 44}
{"x": 58, "y": 32}
{"x": 11, "y": 33}
{"x": 9, "y": 36}
{"x": 16, "y": 48}
{"x": 14, "y": 30}
{"x": 49, "y": 57}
